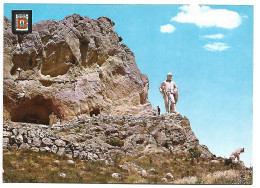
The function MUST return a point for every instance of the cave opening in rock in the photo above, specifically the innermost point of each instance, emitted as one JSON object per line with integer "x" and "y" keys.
{"x": 35, "y": 110}
{"x": 95, "y": 112}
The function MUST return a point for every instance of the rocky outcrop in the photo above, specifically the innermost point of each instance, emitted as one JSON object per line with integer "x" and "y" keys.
{"x": 101, "y": 137}
{"x": 71, "y": 67}
{"x": 78, "y": 69}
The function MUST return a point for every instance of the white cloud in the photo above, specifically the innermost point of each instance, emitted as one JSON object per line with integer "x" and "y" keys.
{"x": 167, "y": 28}
{"x": 215, "y": 36}
{"x": 216, "y": 46}
{"x": 204, "y": 16}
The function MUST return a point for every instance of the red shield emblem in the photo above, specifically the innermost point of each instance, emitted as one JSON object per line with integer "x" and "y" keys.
{"x": 22, "y": 23}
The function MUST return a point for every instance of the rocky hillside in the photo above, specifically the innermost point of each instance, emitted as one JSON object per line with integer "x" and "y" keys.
{"x": 105, "y": 149}
{"x": 71, "y": 67}
{"x": 78, "y": 69}
{"x": 101, "y": 137}
{"x": 26, "y": 166}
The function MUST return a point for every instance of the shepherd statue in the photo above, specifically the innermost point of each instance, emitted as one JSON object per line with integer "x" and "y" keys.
{"x": 169, "y": 90}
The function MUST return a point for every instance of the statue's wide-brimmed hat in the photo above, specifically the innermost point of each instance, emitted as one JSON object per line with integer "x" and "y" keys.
{"x": 169, "y": 74}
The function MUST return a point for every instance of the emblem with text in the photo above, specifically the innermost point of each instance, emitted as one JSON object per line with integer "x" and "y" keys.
{"x": 21, "y": 21}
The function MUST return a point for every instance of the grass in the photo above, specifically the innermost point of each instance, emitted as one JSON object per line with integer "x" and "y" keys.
{"x": 115, "y": 142}
{"x": 27, "y": 166}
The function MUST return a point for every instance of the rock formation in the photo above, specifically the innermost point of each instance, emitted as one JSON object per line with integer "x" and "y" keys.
{"x": 77, "y": 68}
{"x": 71, "y": 67}
{"x": 102, "y": 137}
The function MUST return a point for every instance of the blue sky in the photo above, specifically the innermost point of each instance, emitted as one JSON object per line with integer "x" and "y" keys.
{"x": 209, "y": 51}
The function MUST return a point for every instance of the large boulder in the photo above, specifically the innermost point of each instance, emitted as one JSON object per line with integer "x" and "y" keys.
{"x": 71, "y": 67}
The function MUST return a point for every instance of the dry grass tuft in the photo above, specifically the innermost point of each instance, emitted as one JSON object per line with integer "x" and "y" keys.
{"x": 187, "y": 180}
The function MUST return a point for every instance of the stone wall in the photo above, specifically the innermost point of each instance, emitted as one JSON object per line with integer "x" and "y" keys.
{"x": 100, "y": 137}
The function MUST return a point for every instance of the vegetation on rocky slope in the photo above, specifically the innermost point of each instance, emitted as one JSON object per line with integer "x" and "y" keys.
{"x": 28, "y": 166}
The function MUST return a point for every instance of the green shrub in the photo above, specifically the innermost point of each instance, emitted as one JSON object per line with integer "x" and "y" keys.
{"x": 115, "y": 142}
{"x": 194, "y": 153}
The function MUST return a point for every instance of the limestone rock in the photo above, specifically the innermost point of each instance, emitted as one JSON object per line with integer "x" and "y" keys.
{"x": 60, "y": 61}
{"x": 37, "y": 141}
{"x": 169, "y": 176}
{"x": 205, "y": 151}
{"x": 75, "y": 153}
{"x": 5, "y": 140}
{"x": 47, "y": 141}
{"x": 54, "y": 149}
{"x": 7, "y": 133}
{"x": 152, "y": 148}
{"x": 83, "y": 155}
{"x": 15, "y": 131}
{"x": 19, "y": 139}
{"x": 60, "y": 143}
{"x": 42, "y": 135}
{"x": 70, "y": 161}
{"x": 35, "y": 149}
{"x": 164, "y": 179}
{"x": 116, "y": 176}
{"x": 24, "y": 146}
{"x": 61, "y": 151}
{"x": 144, "y": 173}
{"x": 45, "y": 149}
